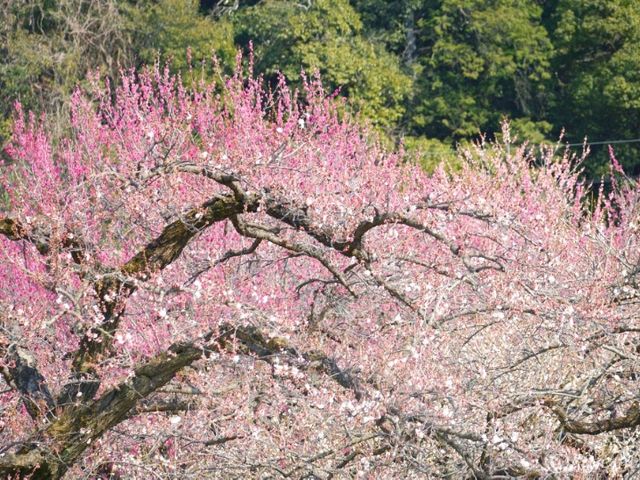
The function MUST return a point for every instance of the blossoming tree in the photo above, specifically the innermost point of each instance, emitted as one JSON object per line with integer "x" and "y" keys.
{"x": 227, "y": 281}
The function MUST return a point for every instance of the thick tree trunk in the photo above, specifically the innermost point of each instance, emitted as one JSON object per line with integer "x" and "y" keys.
{"x": 75, "y": 429}
{"x": 79, "y": 425}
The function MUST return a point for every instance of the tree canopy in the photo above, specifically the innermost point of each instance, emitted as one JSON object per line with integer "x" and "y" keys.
{"x": 328, "y": 38}
{"x": 439, "y": 73}
{"x": 319, "y": 239}
{"x": 234, "y": 280}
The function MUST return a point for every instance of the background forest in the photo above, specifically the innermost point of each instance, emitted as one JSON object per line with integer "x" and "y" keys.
{"x": 431, "y": 73}
{"x": 205, "y": 276}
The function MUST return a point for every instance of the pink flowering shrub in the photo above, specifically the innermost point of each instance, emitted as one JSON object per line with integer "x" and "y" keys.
{"x": 224, "y": 281}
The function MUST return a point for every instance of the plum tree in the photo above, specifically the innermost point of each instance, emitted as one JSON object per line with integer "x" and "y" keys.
{"x": 227, "y": 281}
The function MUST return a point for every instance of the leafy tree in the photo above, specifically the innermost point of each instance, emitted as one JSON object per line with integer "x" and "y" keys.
{"x": 394, "y": 23}
{"x": 481, "y": 61}
{"x": 221, "y": 8}
{"x": 166, "y": 29}
{"x": 325, "y": 36}
{"x": 239, "y": 283}
{"x": 47, "y": 47}
{"x": 429, "y": 153}
{"x": 597, "y": 62}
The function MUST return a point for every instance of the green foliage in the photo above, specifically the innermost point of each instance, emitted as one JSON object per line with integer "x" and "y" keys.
{"x": 435, "y": 72}
{"x": 327, "y": 37}
{"x": 524, "y": 129}
{"x": 598, "y": 64}
{"x": 47, "y": 47}
{"x": 430, "y": 153}
{"x": 392, "y": 22}
{"x": 165, "y": 29}
{"x": 482, "y": 61}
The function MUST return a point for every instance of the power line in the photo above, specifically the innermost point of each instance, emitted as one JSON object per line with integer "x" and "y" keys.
{"x": 434, "y": 152}
{"x": 604, "y": 142}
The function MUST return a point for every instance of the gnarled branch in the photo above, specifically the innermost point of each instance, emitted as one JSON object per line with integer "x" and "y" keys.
{"x": 631, "y": 419}
{"x": 21, "y": 373}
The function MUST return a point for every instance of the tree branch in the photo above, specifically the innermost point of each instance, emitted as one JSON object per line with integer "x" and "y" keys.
{"x": 631, "y": 419}
{"x": 78, "y": 425}
{"x": 22, "y": 374}
{"x": 168, "y": 246}
{"x": 81, "y": 423}
{"x": 40, "y": 237}
{"x": 251, "y": 341}
{"x": 259, "y": 232}
{"x": 113, "y": 289}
